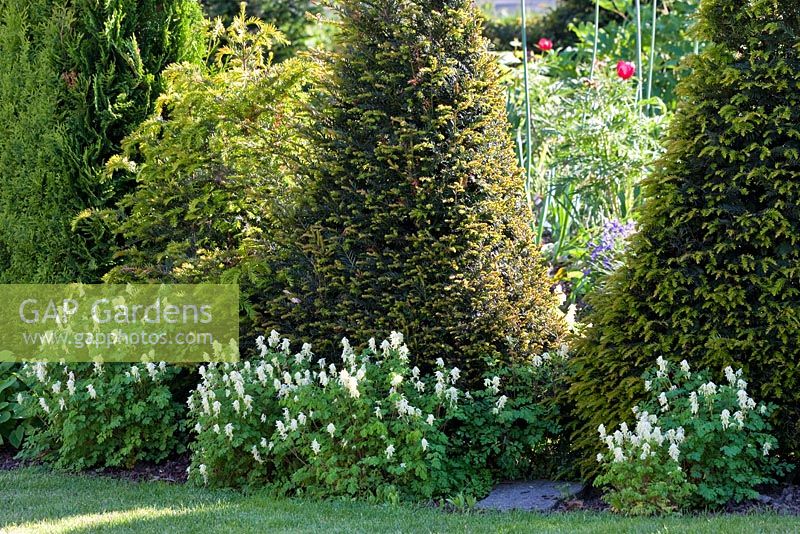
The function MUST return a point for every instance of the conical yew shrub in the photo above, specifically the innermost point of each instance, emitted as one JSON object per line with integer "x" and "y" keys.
{"x": 714, "y": 275}
{"x": 413, "y": 219}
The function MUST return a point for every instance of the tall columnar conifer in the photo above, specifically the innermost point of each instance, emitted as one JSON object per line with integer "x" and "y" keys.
{"x": 714, "y": 274}
{"x": 75, "y": 78}
{"x": 413, "y": 218}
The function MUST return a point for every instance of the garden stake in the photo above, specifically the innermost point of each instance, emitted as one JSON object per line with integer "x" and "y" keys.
{"x": 596, "y": 36}
{"x": 652, "y": 54}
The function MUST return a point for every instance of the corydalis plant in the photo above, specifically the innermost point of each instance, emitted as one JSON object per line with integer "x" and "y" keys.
{"x": 641, "y": 468}
{"x": 729, "y": 447}
{"x": 101, "y": 415}
{"x": 723, "y": 444}
{"x": 369, "y": 424}
{"x": 366, "y": 425}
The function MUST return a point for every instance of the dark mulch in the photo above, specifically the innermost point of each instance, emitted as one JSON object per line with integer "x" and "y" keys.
{"x": 7, "y": 461}
{"x": 782, "y": 499}
{"x": 172, "y": 470}
{"x": 587, "y": 500}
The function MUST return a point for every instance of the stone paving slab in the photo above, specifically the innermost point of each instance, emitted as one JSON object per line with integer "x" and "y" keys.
{"x": 534, "y": 496}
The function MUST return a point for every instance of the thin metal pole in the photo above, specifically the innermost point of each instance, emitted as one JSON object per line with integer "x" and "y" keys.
{"x": 527, "y": 95}
{"x": 652, "y": 53}
{"x": 639, "y": 49}
{"x": 596, "y": 36}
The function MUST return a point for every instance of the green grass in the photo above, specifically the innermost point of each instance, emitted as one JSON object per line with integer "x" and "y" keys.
{"x": 36, "y": 500}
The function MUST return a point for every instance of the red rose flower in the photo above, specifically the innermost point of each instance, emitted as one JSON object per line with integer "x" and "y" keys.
{"x": 545, "y": 44}
{"x": 626, "y": 69}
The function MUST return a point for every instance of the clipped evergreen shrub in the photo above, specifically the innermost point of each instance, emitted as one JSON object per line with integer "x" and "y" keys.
{"x": 413, "y": 218}
{"x": 75, "y": 78}
{"x": 713, "y": 274}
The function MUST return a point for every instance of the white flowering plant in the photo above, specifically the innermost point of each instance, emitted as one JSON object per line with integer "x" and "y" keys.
{"x": 729, "y": 448}
{"x": 95, "y": 415}
{"x": 713, "y": 438}
{"x": 368, "y": 425}
{"x": 641, "y": 468}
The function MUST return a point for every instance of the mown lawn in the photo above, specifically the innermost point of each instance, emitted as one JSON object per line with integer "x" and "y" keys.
{"x": 35, "y": 500}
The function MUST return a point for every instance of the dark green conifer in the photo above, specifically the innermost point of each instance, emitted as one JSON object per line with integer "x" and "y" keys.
{"x": 75, "y": 78}
{"x": 714, "y": 274}
{"x": 413, "y": 218}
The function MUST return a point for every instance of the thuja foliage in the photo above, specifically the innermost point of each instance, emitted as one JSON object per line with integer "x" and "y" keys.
{"x": 212, "y": 165}
{"x": 413, "y": 217}
{"x": 75, "y": 78}
{"x": 712, "y": 275}
{"x": 290, "y": 17}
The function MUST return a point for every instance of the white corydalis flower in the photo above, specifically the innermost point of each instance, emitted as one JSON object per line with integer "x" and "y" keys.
{"x": 315, "y": 447}
{"x": 739, "y": 418}
{"x": 725, "y": 417}
{"x": 91, "y": 390}
{"x": 674, "y": 452}
{"x": 389, "y": 451}
{"x": 500, "y": 404}
{"x": 492, "y": 385}
{"x": 331, "y": 429}
{"x": 43, "y": 404}
{"x": 455, "y": 373}
{"x": 662, "y": 400}
{"x": 40, "y": 369}
{"x": 274, "y": 339}
{"x": 396, "y": 339}
{"x": 350, "y": 383}
{"x": 424, "y": 444}
{"x": 708, "y": 390}
{"x": 229, "y": 431}
{"x": 730, "y": 375}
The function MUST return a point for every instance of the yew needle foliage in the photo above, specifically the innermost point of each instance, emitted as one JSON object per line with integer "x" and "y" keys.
{"x": 713, "y": 274}
{"x": 413, "y": 216}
